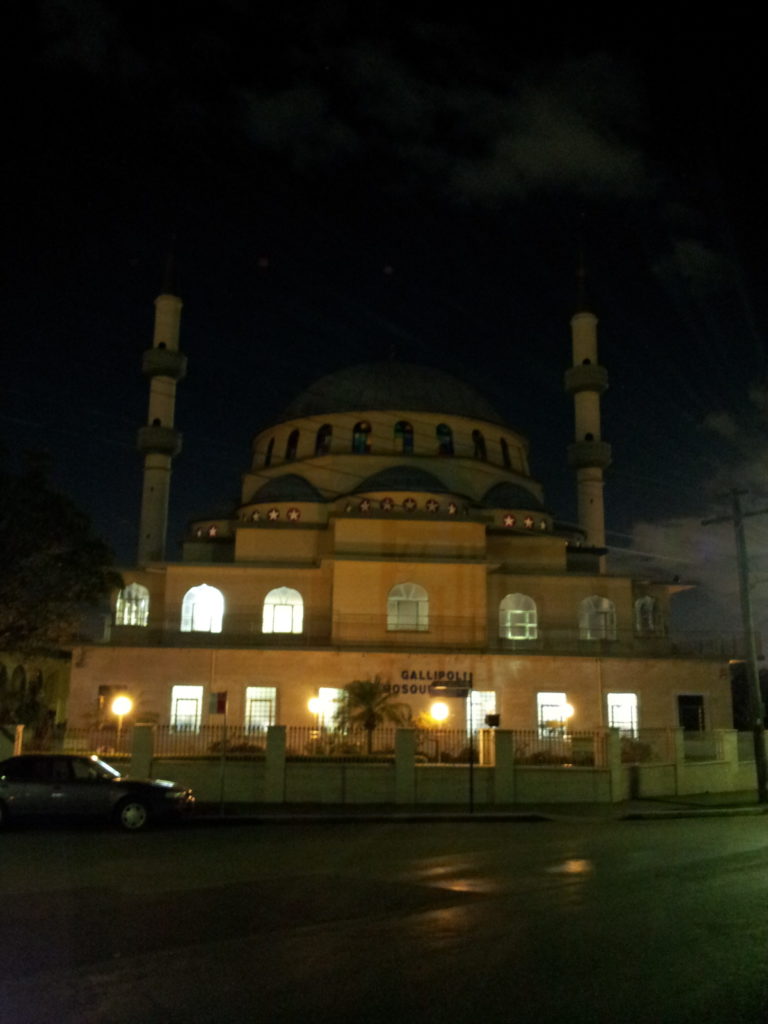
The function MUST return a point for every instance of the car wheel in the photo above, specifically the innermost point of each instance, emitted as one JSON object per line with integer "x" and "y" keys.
{"x": 132, "y": 815}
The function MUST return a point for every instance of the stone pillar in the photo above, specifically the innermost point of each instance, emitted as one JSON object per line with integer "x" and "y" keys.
{"x": 274, "y": 769}
{"x": 142, "y": 750}
{"x": 728, "y": 746}
{"x": 405, "y": 766}
{"x": 11, "y": 740}
{"x": 504, "y": 789}
{"x": 614, "y": 765}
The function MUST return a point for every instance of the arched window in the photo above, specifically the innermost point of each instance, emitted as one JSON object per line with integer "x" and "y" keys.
{"x": 444, "y": 439}
{"x": 323, "y": 439}
{"x": 361, "y": 438}
{"x": 283, "y": 611}
{"x": 408, "y": 607}
{"x": 132, "y": 607}
{"x": 291, "y": 446}
{"x": 19, "y": 681}
{"x": 270, "y": 449}
{"x": 597, "y": 619}
{"x": 646, "y": 615}
{"x": 404, "y": 437}
{"x": 202, "y": 610}
{"x": 478, "y": 445}
{"x": 518, "y": 619}
{"x": 505, "y": 459}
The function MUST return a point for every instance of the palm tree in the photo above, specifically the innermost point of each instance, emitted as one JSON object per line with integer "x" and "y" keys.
{"x": 366, "y": 704}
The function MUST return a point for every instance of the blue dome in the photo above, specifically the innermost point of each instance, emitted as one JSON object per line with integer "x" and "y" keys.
{"x": 290, "y": 487}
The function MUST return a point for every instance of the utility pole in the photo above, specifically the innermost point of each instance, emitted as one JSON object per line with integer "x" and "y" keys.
{"x": 737, "y": 517}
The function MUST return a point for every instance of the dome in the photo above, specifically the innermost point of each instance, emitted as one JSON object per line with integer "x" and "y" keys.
{"x": 506, "y": 495}
{"x": 391, "y": 385}
{"x": 289, "y": 487}
{"x": 402, "y": 478}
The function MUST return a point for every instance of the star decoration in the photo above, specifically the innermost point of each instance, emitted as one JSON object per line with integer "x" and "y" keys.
{"x": 542, "y": 524}
{"x": 528, "y": 522}
{"x": 432, "y": 505}
{"x": 387, "y": 504}
{"x": 409, "y": 504}
{"x": 509, "y": 520}
{"x": 212, "y": 531}
{"x": 453, "y": 508}
{"x": 365, "y": 505}
{"x": 294, "y": 514}
{"x": 273, "y": 514}
{"x": 255, "y": 515}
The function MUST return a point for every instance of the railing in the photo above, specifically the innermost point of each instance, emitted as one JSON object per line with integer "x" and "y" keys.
{"x": 578, "y": 749}
{"x": 441, "y": 632}
{"x": 228, "y": 741}
{"x": 305, "y": 742}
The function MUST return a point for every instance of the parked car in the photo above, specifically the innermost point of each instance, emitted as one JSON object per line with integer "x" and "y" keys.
{"x": 57, "y": 786}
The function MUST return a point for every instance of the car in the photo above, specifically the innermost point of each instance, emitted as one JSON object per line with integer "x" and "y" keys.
{"x": 72, "y": 786}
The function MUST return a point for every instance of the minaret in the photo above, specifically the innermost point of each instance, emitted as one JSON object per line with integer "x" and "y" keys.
{"x": 159, "y": 441}
{"x": 586, "y": 380}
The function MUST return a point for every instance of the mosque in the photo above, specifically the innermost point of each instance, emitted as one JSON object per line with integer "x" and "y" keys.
{"x": 389, "y": 527}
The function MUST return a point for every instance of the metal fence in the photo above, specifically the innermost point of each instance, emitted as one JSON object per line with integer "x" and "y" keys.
{"x": 229, "y": 741}
{"x": 106, "y": 741}
{"x": 579, "y": 749}
{"x": 306, "y": 742}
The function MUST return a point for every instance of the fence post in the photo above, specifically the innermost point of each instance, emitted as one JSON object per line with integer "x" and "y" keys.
{"x": 728, "y": 749}
{"x": 405, "y": 766}
{"x": 142, "y": 750}
{"x": 504, "y": 768}
{"x": 274, "y": 768}
{"x": 11, "y": 740}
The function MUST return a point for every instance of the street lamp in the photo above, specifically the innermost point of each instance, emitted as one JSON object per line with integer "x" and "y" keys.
{"x": 438, "y": 712}
{"x": 315, "y": 705}
{"x": 121, "y": 706}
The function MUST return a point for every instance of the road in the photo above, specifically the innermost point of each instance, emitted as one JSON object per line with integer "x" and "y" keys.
{"x": 653, "y": 921}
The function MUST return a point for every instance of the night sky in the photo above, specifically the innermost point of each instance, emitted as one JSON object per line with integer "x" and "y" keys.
{"x": 348, "y": 182}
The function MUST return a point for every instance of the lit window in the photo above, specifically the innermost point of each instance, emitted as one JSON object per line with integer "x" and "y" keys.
{"x": 361, "y": 438}
{"x": 622, "y": 712}
{"x": 132, "y": 608}
{"x": 518, "y": 618}
{"x": 479, "y": 704}
{"x": 444, "y": 439}
{"x": 646, "y": 615}
{"x": 408, "y": 607}
{"x": 597, "y": 619}
{"x": 552, "y": 714}
{"x": 202, "y": 610}
{"x": 404, "y": 437}
{"x": 283, "y": 611}
{"x": 186, "y": 708}
{"x": 259, "y": 707}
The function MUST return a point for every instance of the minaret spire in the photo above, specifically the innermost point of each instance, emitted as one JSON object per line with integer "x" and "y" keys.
{"x": 589, "y": 455}
{"x": 159, "y": 441}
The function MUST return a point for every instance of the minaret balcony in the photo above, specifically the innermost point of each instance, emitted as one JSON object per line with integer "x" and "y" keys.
{"x": 156, "y": 440}
{"x": 589, "y": 454}
{"x": 164, "y": 362}
{"x": 586, "y": 377}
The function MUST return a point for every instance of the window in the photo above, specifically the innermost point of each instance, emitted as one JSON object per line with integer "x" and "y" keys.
{"x": 270, "y": 449}
{"x": 597, "y": 619}
{"x": 291, "y": 446}
{"x": 283, "y": 611}
{"x": 202, "y": 610}
{"x": 132, "y": 608}
{"x": 404, "y": 437}
{"x": 622, "y": 712}
{"x": 479, "y": 704}
{"x": 444, "y": 439}
{"x": 518, "y": 618}
{"x": 690, "y": 712}
{"x": 646, "y": 615}
{"x": 408, "y": 607}
{"x": 361, "y": 438}
{"x": 505, "y": 459}
{"x": 323, "y": 439}
{"x": 478, "y": 445}
{"x": 186, "y": 708}
{"x": 259, "y": 707}
{"x": 552, "y": 714}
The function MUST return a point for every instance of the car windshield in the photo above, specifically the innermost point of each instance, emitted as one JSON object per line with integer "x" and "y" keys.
{"x": 101, "y": 770}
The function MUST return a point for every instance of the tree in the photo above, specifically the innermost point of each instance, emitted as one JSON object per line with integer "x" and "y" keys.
{"x": 367, "y": 704}
{"x": 53, "y": 567}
